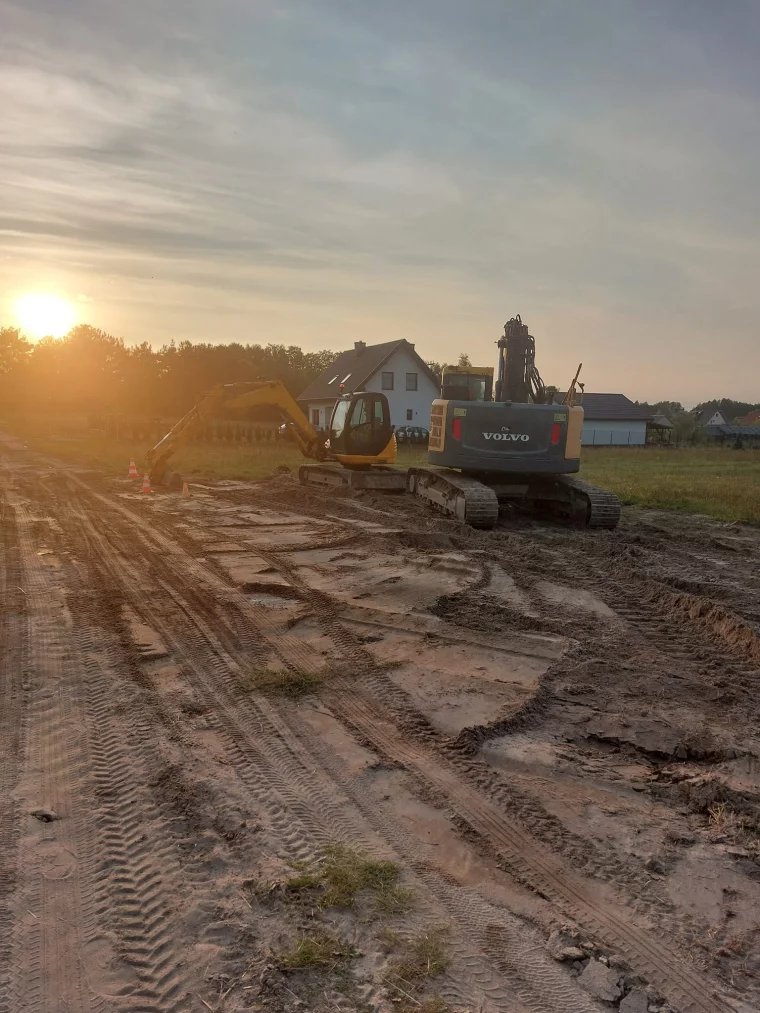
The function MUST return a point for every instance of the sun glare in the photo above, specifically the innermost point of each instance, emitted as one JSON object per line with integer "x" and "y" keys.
{"x": 40, "y": 314}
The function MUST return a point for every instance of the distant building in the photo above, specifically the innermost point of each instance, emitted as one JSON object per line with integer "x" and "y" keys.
{"x": 392, "y": 367}
{"x": 611, "y": 420}
{"x": 751, "y": 419}
{"x": 711, "y": 417}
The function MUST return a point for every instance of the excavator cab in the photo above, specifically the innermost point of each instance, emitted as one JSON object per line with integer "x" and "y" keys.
{"x": 360, "y": 427}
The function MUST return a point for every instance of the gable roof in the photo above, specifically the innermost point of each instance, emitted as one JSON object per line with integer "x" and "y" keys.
{"x": 609, "y": 406}
{"x": 360, "y": 363}
{"x": 750, "y": 419}
{"x": 709, "y": 413}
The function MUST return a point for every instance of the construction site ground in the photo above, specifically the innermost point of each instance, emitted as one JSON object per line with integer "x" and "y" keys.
{"x": 269, "y": 748}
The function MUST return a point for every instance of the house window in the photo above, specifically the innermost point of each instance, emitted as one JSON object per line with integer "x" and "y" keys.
{"x": 387, "y": 381}
{"x": 411, "y": 381}
{"x": 346, "y": 377}
{"x": 315, "y": 416}
{"x": 409, "y": 414}
{"x": 333, "y": 379}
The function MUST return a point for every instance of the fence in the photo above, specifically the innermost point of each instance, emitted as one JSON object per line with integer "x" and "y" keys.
{"x": 151, "y": 430}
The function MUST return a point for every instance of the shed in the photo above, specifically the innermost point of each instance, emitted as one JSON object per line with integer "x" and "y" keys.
{"x": 611, "y": 420}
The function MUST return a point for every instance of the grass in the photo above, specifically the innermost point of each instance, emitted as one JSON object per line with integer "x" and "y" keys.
{"x": 721, "y": 483}
{"x": 68, "y": 438}
{"x": 321, "y": 949}
{"x": 343, "y": 873}
{"x": 284, "y": 682}
{"x": 415, "y": 962}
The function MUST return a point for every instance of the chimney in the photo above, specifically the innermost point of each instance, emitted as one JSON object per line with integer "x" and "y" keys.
{"x": 359, "y": 346}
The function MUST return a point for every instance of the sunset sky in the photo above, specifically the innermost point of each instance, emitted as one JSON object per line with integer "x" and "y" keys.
{"x": 316, "y": 171}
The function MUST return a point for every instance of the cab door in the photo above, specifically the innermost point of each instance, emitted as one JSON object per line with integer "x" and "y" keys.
{"x": 360, "y": 426}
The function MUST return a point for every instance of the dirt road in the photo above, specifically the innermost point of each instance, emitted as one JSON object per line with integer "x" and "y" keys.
{"x": 551, "y": 738}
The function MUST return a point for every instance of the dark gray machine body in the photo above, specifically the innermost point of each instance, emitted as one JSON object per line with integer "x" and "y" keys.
{"x": 497, "y": 438}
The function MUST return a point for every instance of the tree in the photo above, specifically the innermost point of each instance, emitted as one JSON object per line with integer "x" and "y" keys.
{"x": 727, "y": 407}
{"x": 14, "y": 349}
{"x": 463, "y": 360}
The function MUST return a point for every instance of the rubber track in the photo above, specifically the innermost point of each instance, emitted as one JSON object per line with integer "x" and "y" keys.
{"x": 604, "y": 507}
{"x": 481, "y": 504}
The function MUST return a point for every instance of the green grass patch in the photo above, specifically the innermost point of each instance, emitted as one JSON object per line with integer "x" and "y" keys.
{"x": 320, "y": 949}
{"x": 343, "y": 873}
{"x": 719, "y": 482}
{"x": 69, "y": 439}
{"x": 284, "y": 682}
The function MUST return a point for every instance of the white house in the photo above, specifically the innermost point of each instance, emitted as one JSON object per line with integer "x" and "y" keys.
{"x": 710, "y": 417}
{"x": 611, "y": 420}
{"x": 392, "y": 367}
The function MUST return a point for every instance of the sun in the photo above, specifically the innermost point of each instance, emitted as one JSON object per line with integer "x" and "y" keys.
{"x": 40, "y": 314}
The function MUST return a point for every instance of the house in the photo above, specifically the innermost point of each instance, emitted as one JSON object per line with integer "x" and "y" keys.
{"x": 611, "y": 420}
{"x": 392, "y": 367}
{"x": 711, "y": 417}
{"x": 752, "y": 419}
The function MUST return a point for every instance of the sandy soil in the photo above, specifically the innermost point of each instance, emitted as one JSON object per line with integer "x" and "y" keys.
{"x": 554, "y": 736}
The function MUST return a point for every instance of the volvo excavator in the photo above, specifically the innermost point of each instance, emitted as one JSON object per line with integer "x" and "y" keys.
{"x": 359, "y": 451}
{"x": 509, "y": 444}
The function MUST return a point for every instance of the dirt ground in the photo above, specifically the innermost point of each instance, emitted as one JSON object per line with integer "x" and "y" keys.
{"x": 534, "y": 752}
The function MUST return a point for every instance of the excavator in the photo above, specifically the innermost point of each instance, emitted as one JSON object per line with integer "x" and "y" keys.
{"x": 359, "y": 452}
{"x": 490, "y": 443}
{"x": 509, "y": 444}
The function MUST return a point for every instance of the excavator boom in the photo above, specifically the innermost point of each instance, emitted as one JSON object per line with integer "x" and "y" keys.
{"x": 258, "y": 393}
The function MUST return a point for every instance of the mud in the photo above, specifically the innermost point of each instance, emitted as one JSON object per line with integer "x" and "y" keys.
{"x": 540, "y": 728}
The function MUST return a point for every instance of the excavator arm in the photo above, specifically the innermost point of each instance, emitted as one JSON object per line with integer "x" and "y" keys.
{"x": 258, "y": 393}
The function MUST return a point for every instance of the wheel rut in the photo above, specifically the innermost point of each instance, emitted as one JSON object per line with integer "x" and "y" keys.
{"x": 588, "y": 902}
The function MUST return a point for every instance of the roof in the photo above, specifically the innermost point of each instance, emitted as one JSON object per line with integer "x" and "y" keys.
{"x": 609, "y": 407}
{"x": 359, "y": 363}
{"x": 750, "y": 419}
{"x": 733, "y": 430}
{"x": 707, "y": 414}
{"x": 662, "y": 422}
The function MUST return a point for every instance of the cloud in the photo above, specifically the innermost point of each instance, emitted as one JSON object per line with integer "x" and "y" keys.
{"x": 307, "y": 169}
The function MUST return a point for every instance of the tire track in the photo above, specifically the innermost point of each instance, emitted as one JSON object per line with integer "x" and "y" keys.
{"x": 544, "y": 872}
{"x": 685, "y": 989}
{"x": 123, "y": 864}
{"x": 13, "y": 619}
{"x": 274, "y": 764}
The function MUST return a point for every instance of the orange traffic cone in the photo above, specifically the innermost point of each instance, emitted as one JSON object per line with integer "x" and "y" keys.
{"x": 133, "y": 472}
{"x": 146, "y": 484}
{"x": 185, "y": 490}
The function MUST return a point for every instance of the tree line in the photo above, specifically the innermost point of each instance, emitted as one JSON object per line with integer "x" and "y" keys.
{"x": 91, "y": 372}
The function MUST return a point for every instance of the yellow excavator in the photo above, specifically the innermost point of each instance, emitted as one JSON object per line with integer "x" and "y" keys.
{"x": 359, "y": 450}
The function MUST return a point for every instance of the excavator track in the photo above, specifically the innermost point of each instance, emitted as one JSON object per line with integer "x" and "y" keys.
{"x": 476, "y": 502}
{"x": 457, "y": 495}
{"x": 591, "y": 507}
{"x": 378, "y": 478}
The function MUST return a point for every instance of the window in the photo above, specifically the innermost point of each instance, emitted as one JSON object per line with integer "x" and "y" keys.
{"x": 315, "y": 416}
{"x": 411, "y": 381}
{"x": 387, "y": 381}
{"x": 346, "y": 377}
{"x": 409, "y": 414}
{"x": 334, "y": 379}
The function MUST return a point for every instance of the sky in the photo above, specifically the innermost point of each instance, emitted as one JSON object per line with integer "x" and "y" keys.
{"x": 313, "y": 172}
